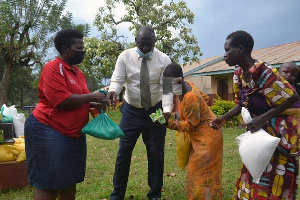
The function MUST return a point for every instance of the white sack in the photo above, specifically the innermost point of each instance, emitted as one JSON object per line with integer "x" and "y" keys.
{"x": 10, "y": 111}
{"x": 256, "y": 149}
{"x": 19, "y": 121}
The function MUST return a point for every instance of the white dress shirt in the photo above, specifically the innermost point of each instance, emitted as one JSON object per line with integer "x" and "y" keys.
{"x": 127, "y": 70}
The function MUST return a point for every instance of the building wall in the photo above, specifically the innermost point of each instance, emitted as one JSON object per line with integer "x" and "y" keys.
{"x": 214, "y": 85}
{"x": 230, "y": 87}
{"x": 201, "y": 82}
{"x": 230, "y": 83}
{"x": 209, "y": 85}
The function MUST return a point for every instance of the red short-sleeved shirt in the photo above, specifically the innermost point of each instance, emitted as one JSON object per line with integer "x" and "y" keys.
{"x": 58, "y": 82}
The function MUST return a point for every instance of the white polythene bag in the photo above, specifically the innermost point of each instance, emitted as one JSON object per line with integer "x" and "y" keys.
{"x": 9, "y": 111}
{"x": 19, "y": 121}
{"x": 256, "y": 149}
{"x": 167, "y": 104}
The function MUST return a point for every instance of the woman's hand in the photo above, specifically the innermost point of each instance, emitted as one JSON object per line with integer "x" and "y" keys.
{"x": 218, "y": 123}
{"x": 98, "y": 106}
{"x": 99, "y": 97}
{"x": 259, "y": 121}
{"x": 95, "y": 108}
{"x": 256, "y": 124}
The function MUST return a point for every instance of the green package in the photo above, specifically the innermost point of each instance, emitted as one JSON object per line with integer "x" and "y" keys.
{"x": 158, "y": 116}
{"x": 153, "y": 117}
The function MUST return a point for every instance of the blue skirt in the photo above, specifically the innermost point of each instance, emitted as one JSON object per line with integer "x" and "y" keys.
{"x": 54, "y": 161}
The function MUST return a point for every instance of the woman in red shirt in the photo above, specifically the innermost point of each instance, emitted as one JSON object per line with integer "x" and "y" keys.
{"x": 55, "y": 146}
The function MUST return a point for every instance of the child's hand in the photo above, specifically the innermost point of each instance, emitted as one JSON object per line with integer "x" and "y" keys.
{"x": 167, "y": 115}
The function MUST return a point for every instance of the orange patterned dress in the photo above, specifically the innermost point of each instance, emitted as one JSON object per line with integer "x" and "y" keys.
{"x": 204, "y": 171}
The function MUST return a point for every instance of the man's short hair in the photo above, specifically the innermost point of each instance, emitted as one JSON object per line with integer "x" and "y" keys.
{"x": 146, "y": 29}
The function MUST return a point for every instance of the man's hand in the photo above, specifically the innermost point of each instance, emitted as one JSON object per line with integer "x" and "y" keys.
{"x": 111, "y": 96}
{"x": 218, "y": 123}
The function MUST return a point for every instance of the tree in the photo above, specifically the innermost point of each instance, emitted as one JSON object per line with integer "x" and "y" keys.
{"x": 100, "y": 58}
{"x": 26, "y": 31}
{"x": 170, "y": 21}
{"x": 22, "y": 89}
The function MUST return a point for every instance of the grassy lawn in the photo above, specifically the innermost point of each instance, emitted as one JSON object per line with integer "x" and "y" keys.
{"x": 100, "y": 168}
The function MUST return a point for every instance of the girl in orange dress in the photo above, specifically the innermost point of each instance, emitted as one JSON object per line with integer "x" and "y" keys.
{"x": 204, "y": 171}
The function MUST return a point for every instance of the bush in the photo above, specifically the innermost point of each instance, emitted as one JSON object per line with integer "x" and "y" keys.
{"x": 220, "y": 107}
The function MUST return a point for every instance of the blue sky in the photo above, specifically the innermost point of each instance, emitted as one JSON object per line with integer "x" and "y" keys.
{"x": 270, "y": 22}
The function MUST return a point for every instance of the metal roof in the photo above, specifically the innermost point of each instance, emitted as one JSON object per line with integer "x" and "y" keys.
{"x": 275, "y": 55}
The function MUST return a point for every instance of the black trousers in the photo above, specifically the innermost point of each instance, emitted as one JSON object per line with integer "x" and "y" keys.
{"x": 134, "y": 122}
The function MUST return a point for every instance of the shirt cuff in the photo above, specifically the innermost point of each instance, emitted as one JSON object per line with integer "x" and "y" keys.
{"x": 167, "y": 109}
{"x": 115, "y": 87}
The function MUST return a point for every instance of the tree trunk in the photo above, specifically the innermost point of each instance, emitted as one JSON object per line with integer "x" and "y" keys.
{"x": 22, "y": 98}
{"x": 4, "y": 83}
{"x": 3, "y": 95}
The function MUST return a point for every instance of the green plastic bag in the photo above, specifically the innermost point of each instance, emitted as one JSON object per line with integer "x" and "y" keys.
{"x": 5, "y": 119}
{"x": 102, "y": 127}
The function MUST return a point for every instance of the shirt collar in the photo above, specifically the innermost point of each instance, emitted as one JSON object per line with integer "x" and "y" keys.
{"x": 74, "y": 68}
{"x": 142, "y": 55}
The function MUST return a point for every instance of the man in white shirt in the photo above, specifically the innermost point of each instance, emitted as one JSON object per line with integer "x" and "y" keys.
{"x": 140, "y": 69}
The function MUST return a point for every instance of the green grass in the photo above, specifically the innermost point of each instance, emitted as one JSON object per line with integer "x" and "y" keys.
{"x": 101, "y": 161}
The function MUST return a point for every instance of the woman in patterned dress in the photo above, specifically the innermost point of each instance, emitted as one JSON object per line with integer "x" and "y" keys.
{"x": 266, "y": 95}
{"x": 204, "y": 168}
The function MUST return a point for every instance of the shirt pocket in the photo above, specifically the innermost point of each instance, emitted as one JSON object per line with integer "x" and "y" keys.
{"x": 154, "y": 75}
{"x": 133, "y": 75}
